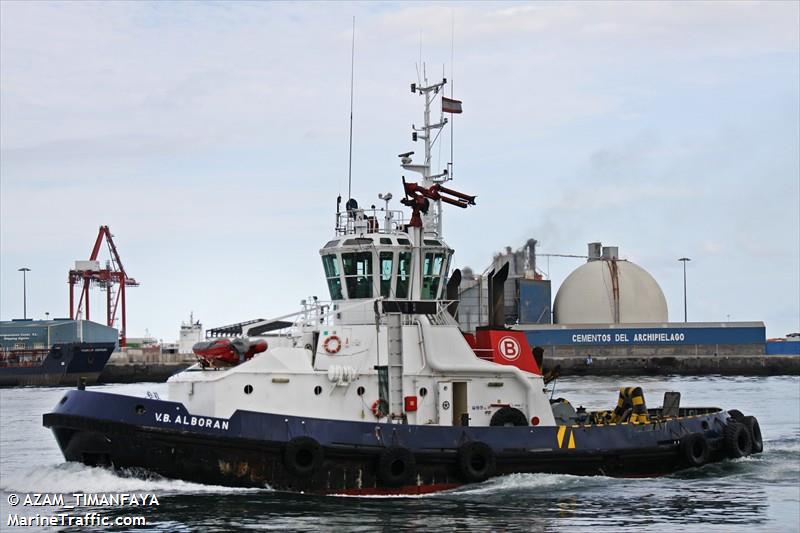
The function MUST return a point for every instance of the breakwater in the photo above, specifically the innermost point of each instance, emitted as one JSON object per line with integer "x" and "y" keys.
{"x": 687, "y": 365}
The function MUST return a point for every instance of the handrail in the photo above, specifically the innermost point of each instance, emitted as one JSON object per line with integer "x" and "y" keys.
{"x": 319, "y": 315}
{"x": 361, "y": 221}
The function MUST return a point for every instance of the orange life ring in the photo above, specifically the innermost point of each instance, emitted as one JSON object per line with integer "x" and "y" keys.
{"x": 332, "y": 340}
{"x": 376, "y": 408}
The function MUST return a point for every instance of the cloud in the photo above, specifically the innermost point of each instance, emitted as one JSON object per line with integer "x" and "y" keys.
{"x": 196, "y": 131}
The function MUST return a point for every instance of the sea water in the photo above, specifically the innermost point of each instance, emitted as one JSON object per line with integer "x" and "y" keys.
{"x": 757, "y": 493}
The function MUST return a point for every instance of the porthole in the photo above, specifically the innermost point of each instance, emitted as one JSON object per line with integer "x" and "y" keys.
{"x": 705, "y": 425}
{"x": 248, "y": 389}
{"x": 423, "y": 392}
{"x": 139, "y": 409}
{"x": 317, "y": 390}
{"x": 360, "y": 391}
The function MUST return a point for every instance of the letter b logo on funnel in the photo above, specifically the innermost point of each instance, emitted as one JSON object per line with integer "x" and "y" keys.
{"x": 509, "y": 348}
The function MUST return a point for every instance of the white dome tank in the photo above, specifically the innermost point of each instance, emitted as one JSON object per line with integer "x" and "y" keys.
{"x": 587, "y": 295}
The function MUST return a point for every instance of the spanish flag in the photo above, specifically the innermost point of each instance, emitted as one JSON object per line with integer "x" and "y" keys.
{"x": 450, "y": 106}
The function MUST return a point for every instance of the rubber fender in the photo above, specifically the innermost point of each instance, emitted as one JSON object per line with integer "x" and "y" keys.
{"x": 737, "y": 440}
{"x": 736, "y": 414}
{"x": 751, "y": 423}
{"x": 508, "y": 416}
{"x": 695, "y": 450}
{"x": 476, "y": 461}
{"x": 396, "y": 466}
{"x": 302, "y": 456}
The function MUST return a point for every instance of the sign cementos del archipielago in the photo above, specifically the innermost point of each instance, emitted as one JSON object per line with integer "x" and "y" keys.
{"x": 676, "y": 335}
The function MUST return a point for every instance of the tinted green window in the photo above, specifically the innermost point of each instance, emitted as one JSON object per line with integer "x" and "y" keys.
{"x": 358, "y": 274}
{"x": 331, "y": 266}
{"x": 403, "y": 274}
{"x": 386, "y": 273}
{"x": 431, "y": 275}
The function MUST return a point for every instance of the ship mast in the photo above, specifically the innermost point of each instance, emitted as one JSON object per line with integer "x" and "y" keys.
{"x": 429, "y": 133}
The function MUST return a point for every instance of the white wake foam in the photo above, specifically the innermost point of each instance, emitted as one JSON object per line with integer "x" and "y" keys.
{"x": 551, "y": 482}
{"x": 69, "y": 478}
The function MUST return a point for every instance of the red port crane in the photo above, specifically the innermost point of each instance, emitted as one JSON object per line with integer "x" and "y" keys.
{"x": 112, "y": 279}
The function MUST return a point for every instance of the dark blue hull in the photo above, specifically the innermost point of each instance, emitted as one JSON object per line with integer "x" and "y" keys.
{"x": 328, "y": 456}
{"x": 62, "y": 364}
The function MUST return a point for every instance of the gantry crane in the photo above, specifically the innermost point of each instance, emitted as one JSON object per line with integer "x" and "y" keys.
{"x": 90, "y": 273}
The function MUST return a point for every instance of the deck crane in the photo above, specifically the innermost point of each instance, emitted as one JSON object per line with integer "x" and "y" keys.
{"x": 113, "y": 279}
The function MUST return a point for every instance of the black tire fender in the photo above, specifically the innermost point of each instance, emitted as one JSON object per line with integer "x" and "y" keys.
{"x": 737, "y": 440}
{"x": 751, "y": 423}
{"x": 476, "y": 461}
{"x": 302, "y": 456}
{"x": 396, "y": 466}
{"x": 508, "y": 416}
{"x": 695, "y": 450}
{"x": 736, "y": 414}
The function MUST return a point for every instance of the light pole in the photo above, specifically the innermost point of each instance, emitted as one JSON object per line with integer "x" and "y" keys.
{"x": 683, "y": 260}
{"x": 24, "y": 271}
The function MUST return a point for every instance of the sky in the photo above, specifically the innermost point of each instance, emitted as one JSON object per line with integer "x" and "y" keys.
{"x": 212, "y": 137}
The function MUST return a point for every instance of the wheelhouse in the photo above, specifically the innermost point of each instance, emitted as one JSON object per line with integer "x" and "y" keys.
{"x": 383, "y": 264}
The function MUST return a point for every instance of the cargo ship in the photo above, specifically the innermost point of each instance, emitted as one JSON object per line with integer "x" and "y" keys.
{"x": 379, "y": 390}
{"x": 53, "y": 352}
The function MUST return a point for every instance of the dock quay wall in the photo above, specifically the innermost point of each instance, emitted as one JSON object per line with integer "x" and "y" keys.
{"x": 654, "y": 350}
{"x": 688, "y": 365}
{"x": 652, "y": 365}
{"x": 139, "y": 366}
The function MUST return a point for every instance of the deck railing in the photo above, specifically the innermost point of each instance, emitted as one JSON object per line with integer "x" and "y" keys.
{"x": 363, "y": 221}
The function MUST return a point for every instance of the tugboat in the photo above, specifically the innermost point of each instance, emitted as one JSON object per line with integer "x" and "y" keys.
{"x": 378, "y": 391}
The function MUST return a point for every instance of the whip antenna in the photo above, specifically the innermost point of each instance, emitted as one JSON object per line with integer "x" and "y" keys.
{"x": 350, "y": 159}
{"x": 452, "y": 47}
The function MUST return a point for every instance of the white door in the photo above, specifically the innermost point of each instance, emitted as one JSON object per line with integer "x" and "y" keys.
{"x": 445, "y": 403}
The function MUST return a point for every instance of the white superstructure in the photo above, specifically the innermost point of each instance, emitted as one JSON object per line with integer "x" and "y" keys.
{"x": 191, "y": 333}
{"x": 385, "y": 347}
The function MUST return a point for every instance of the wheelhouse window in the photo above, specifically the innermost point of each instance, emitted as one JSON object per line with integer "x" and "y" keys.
{"x": 432, "y": 267}
{"x": 331, "y": 266}
{"x": 403, "y": 274}
{"x": 386, "y": 273}
{"x": 358, "y": 274}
